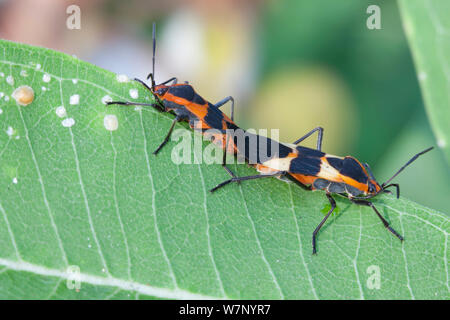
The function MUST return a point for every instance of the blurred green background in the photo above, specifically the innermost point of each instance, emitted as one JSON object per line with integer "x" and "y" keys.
{"x": 291, "y": 65}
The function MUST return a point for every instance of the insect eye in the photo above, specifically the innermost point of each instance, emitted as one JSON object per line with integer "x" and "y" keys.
{"x": 371, "y": 188}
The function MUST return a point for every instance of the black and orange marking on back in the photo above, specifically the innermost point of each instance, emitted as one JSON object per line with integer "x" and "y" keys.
{"x": 313, "y": 169}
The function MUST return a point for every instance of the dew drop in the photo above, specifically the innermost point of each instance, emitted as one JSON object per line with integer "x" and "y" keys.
{"x": 10, "y": 80}
{"x": 134, "y": 93}
{"x": 111, "y": 122}
{"x": 122, "y": 78}
{"x": 46, "y": 77}
{"x": 10, "y": 131}
{"x": 74, "y": 99}
{"x": 106, "y": 99}
{"x": 61, "y": 112}
{"x": 68, "y": 122}
{"x": 24, "y": 95}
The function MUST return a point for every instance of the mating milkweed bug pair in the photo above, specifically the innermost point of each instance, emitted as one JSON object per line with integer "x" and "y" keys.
{"x": 311, "y": 169}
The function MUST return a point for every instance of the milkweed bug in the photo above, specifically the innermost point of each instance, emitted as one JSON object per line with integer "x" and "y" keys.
{"x": 313, "y": 169}
{"x": 187, "y": 105}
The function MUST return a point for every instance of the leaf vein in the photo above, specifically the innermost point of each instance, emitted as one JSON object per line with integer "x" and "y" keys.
{"x": 11, "y": 234}
{"x": 158, "y": 234}
{"x": 44, "y": 195}
{"x": 116, "y": 204}
{"x": 301, "y": 245}
{"x": 269, "y": 268}
{"x": 205, "y": 209}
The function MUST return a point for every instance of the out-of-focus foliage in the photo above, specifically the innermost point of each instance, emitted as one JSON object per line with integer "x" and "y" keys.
{"x": 428, "y": 29}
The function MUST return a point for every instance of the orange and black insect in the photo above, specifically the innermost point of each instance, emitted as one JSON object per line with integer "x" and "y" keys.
{"x": 313, "y": 169}
{"x": 182, "y": 100}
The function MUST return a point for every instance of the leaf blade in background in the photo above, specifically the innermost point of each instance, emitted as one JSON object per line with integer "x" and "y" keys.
{"x": 428, "y": 31}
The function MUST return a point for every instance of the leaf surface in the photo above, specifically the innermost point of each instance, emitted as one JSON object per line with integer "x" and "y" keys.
{"x": 136, "y": 225}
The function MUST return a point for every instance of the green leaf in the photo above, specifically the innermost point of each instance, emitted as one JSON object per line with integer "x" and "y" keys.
{"x": 427, "y": 28}
{"x": 139, "y": 226}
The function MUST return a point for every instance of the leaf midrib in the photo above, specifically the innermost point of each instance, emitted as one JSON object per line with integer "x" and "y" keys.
{"x": 23, "y": 266}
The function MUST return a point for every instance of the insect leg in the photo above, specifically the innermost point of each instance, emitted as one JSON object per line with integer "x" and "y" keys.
{"x": 225, "y": 100}
{"x": 333, "y": 206}
{"x": 127, "y": 103}
{"x": 143, "y": 83}
{"x": 224, "y": 159}
{"x": 385, "y": 223}
{"x": 174, "y": 79}
{"x": 396, "y": 185}
{"x": 166, "y": 139}
{"x": 220, "y": 185}
{"x": 319, "y": 137}
{"x": 150, "y": 75}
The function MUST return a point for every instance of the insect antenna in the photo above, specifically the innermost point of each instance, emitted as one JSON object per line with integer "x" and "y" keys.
{"x": 385, "y": 184}
{"x": 152, "y": 74}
